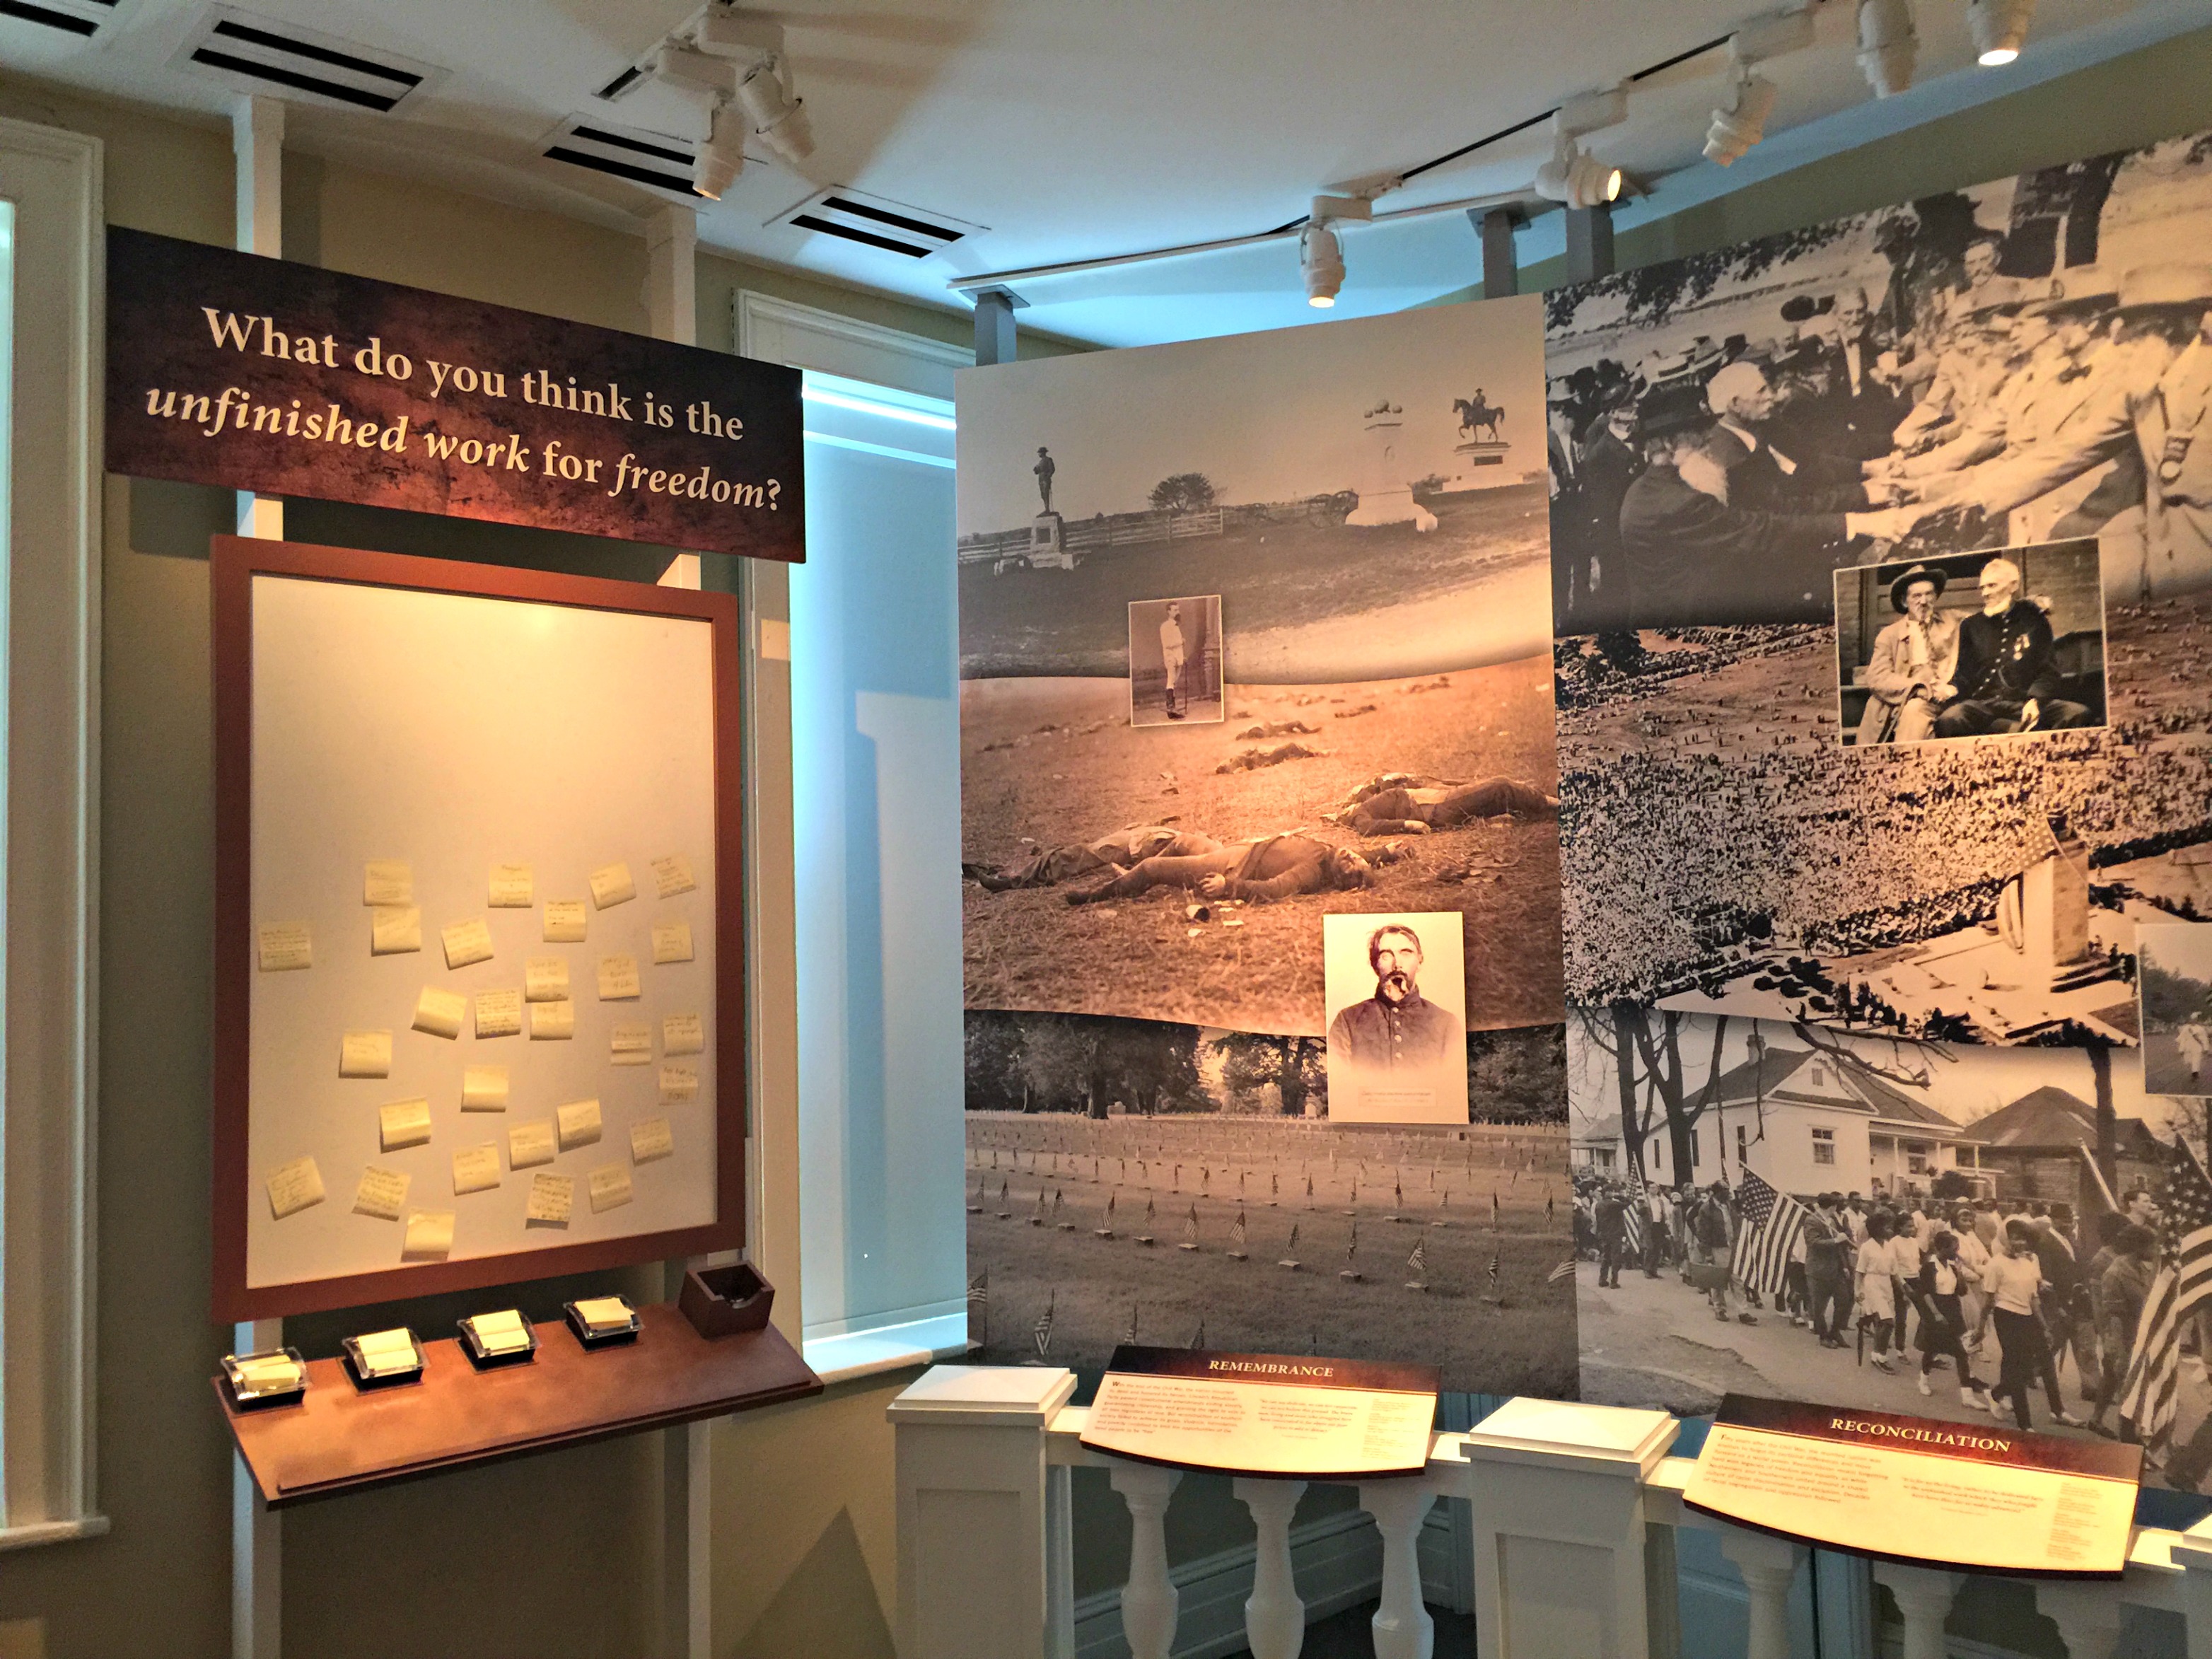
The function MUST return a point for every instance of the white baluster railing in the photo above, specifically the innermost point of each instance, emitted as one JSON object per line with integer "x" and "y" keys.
{"x": 1572, "y": 1507}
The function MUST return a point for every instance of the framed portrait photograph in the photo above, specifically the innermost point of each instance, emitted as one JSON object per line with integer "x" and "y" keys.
{"x": 1396, "y": 993}
{"x": 1175, "y": 661}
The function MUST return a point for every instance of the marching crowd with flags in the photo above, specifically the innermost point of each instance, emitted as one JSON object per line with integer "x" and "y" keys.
{"x": 2117, "y": 1310}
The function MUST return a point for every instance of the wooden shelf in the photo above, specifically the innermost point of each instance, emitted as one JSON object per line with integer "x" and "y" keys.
{"x": 338, "y": 1439}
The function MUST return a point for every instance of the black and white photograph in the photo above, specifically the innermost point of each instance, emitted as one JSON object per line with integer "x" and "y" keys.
{"x": 1972, "y": 645}
{"x": 1363, "y": 504}
{"x": 1175, "y": 660}
{"x": 1397, "y": 1017}
{"x": 2173, "y": 962}
{"x": 1132, "y": 1180}
{"x": 1906, "y": 1226}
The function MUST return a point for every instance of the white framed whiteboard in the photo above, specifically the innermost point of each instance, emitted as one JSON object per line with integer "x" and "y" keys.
{"x": 448, "y": 793}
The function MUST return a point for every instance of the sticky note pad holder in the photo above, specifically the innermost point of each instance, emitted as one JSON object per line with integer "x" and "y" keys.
{"x": 247, "y": 1395}
{"x": 613, "y": 1337}
{"x": 489, "y": 1359}
{"x": 725, "y": 1301}
{"x": 365, "y": 1380}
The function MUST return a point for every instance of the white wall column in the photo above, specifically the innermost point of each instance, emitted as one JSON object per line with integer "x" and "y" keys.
{"x": 1403, "y": 1629}
{"x": 1923, "y": 1598}
{"x": 1274, "y": 1617}
{"x": 1150, "y": 1600}
{"x": 256, "y": 144}
{"x": 1768, "y": 1565}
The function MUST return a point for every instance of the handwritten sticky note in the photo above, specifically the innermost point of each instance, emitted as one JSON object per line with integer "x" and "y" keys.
{"x": 499, "y": 1013}
{"x": 611, "y": 886}
{"x": 388, "y": 881}
{"x": 403, "y": 1123}
{"x": 630, "y": 1044}
{"x": 609, "y": 1187}
{"x": 552, "y": 1199}
{"x": 476, "y": 1168}
{"x": 365, "y": 1053}
{"x": 580, "y": 1124}
{"x": 466, "y": 942}
{"x": 546, "y": 979}
{"x": 552, "y": 1022}
{"x": 382, "y": 1193}
{"x": 565, "y": 920}
{"x": 394, "y": 929}
{"x": 529, "y": 1143}
{"x": 294, "y": 1187}
{"x": 678, "y": 1084}
{"x": 619, "y": 979}
{"x": 671, "y": 941}
{"x": 650, "y": 1139}
{"x": 683, "y": 1033}
{"x": 484, "y": 1088}
{"x": 511, "y": 888}
{"x": 430, "y": 1236}
{"x": 282, "y": 946}
{"x": 440, "y": 1013}
{"x": 672, "y": 875}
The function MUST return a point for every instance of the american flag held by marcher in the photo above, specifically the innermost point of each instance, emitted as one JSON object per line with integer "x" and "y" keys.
{"x": 2149, "y": 1396}
{"x": 1772, "y": 1222}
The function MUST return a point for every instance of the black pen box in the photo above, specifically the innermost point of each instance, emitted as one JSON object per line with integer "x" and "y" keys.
{"x": 364, "y": 1379}
{"x": 487, "y": 1360}
{"x": 604, "y": 1339}
{"x": 248, "y": 1395}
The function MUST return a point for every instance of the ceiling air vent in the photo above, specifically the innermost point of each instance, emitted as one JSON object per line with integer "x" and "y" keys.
{"x": 257, "y": 55}
{"x": 892, "y": 227}
{"x": 652, "y": 158}
{"x": 80, "y": 18}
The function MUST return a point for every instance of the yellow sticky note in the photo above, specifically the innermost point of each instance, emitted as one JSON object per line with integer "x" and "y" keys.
{"x": 678, "y": 1084}
{"x": 476, "y": 1168}
{"x": 580, "y": 1124}
{"x": 618, "y": 980}
{"x": 294, "y": 1187}
{"x": 500, "y": 1333}
{"x": 430, "y": 1236}
{"x": 650, "y": 1139}
{"x": 631, "y": 1043}
{"x": 440, "y": 1013}
{"x": 511, "y": 887}
{"x": 283, "y": 946}
{"x": 683, "y": 1033}
{"x": 552, "y": 1199}
{"x": 529, "y": 1143}
{"x": 611, "y": 1188}
{"x": 365, "y": 1053}
{"x": 552, "y": 1022}
{"x": 403, "y": 1123}
{"x": 466, "y": 942}
{"x": 565, "y": 921}
{"x": 385, "y": 1352}
{"x": 671, "y": 941}
{"x": 672, "y": 875}
{"x": 394, "y": 929}
{"x": 382, "y": 1193}
{"x": 611, "y": 886}
{"x": 546, "y": 979}
{"x": 484, "y": 1088}
{"x": 603, "y": 1313}
{"x": 388, "y": 881}
{"x": 499, "y": 1013}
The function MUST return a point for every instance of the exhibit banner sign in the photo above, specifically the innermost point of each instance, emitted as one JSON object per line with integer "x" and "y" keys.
{"x": 1298, "y": 1417}
{"x": 1912, "y": 1489}
{"x": 248, "y": 373}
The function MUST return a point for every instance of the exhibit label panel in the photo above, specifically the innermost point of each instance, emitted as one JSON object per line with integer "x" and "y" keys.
{"x": 1265, "y": 1414}
{"x": 1912, "y": 1489}
{"x": 263, "y": 375}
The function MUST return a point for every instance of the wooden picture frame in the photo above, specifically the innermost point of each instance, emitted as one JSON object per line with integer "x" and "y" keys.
{"x": 237, "y": 564}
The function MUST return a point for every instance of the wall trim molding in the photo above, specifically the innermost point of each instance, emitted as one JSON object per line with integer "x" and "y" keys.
{"x": 805, "y": 336}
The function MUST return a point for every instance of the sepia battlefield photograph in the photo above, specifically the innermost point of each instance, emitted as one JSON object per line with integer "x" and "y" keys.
{"x": 2174, "y": 967}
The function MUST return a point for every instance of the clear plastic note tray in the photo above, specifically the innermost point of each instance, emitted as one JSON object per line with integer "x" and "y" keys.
{"x": 602, "y": 1321}
{"x": 384, "y": 1359}
{"x": 277, "y": 1377}
{"x": 491, "y": 1340}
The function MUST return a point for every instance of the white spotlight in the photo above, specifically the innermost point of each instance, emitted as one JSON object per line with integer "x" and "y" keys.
{"x": 776, "y": 114}
{"x": 1999, "y": 28}
{"x": 702, "y": 77}
{"x": 1736, "y": 128}
{"x": 722, "y": 157}
{"x": 1889, "y": 46}
{"x": 1577, "y": 179}
{"x": 1321, "y": 259}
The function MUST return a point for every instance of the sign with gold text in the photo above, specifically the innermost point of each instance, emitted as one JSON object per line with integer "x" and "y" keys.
{"x": 1265, "y": 1414}
{"x": 1979, "y": 1498}
{"x": 231, "y": 369}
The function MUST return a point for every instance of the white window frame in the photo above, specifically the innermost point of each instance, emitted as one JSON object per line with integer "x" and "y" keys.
{"x": 51, "y": 839}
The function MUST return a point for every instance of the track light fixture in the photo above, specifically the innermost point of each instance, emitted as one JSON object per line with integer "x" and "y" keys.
{"x": 1577, "y": 179}
{"x": 1743, "y": 123}
{"x": 1321, "y": 251}
{"x": 732, "y": 65}
{"x": 1999, "y": 28}
{"x": 1889, "y": 46}
{"x": 708, "y": 80}
{"x": 722, "y": 157}
{"x": 776, "y": 116}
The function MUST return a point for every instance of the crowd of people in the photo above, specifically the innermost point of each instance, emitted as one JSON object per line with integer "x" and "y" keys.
{"x": 2002, "y": 1301}
{"x": 1724, "y": 483}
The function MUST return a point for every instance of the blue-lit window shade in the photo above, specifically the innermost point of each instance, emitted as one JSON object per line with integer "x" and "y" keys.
{"x": 876, "y": 791}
